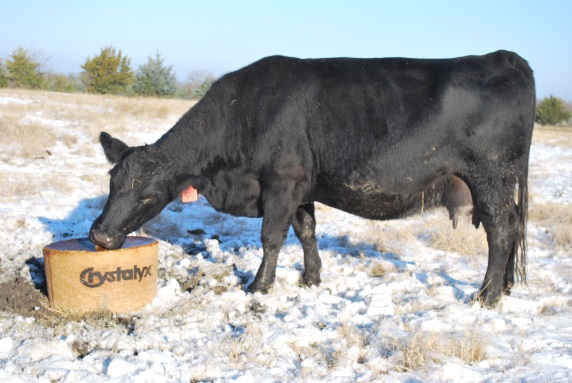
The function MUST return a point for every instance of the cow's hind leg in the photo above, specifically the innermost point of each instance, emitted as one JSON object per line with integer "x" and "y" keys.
{"x": 304, "y": 224}
{"x": 279, "y": 207}
{"x": 499, "y": 216}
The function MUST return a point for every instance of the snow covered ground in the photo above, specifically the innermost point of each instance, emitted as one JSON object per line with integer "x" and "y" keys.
{"x": 395, "y": 303}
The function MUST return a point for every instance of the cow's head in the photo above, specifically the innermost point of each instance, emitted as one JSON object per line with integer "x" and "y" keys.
{"x": 141, "y": 186}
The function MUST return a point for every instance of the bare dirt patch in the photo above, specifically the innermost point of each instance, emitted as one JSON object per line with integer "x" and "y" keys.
{"x": 18, "y": 296}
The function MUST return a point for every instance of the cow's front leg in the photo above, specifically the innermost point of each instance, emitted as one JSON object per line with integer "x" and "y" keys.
{"x": 279, "y": 208}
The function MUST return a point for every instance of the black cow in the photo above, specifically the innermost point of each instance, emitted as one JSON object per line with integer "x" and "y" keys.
{"x": 379, "y": 138}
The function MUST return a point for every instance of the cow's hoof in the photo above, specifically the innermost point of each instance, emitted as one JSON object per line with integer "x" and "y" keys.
{"x": 311, "y": 279}
{"x": 507, "y": 287}
{"x": 258, "y": 288}
{"x": 488, "y": 298}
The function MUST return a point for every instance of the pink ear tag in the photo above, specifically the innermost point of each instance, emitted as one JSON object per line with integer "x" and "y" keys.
{"x": 190, "y": 194}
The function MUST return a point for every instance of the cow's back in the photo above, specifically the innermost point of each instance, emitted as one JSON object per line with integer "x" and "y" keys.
{"x": 370, "y": 134}
{"x": 380, "y": 130}
{"x": 368, "y": 108}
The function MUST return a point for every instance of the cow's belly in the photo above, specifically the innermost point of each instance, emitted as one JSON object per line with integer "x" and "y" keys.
{"x": 368, "y": 199}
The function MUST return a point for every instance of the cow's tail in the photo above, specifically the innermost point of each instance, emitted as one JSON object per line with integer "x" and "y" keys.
{"x": 519, "y": 250}
{"x": 517, "y": 260}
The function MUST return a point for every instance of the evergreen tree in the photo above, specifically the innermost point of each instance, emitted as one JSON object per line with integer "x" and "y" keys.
{"x": 59, "y": 83}
{"x": 3, "y": 75}
{"x": 551, "y": 111}
{"x": 23, "y": 71}
{"x": 107, "y": 73}
{"x": 155, "y": 79}
{"x": 204, "y": 87}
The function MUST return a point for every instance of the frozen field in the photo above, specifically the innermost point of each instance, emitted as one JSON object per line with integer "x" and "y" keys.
{"x": 395, "y": 303}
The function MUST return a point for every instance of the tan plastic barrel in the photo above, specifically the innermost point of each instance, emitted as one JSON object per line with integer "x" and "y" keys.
{"x": 82, "y": 279}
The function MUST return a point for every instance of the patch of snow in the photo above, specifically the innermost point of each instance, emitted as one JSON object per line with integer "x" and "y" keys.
{"x": 202, "y": 326}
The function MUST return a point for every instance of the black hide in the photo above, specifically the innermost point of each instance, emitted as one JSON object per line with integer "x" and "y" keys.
{"x": 379, "y": 138}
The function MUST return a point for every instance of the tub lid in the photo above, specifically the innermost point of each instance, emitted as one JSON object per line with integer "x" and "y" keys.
{"x": 84, "y": 244}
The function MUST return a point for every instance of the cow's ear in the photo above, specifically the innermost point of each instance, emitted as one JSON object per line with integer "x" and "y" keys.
{"x": 112, "y": 147}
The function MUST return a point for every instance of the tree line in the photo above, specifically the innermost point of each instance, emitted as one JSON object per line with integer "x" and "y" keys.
{"x": 108, "y": 72}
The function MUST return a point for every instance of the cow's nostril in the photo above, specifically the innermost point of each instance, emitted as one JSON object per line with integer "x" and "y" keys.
{"x": 102, "y": 239}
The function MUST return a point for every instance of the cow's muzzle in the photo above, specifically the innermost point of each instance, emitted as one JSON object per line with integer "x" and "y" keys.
{"x": 105, "y": 239}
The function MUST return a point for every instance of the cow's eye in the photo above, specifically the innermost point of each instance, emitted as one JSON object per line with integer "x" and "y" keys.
{"x": 149, "y": 199}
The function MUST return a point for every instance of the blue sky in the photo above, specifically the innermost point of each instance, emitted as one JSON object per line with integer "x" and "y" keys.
{"x": 221, "y": 36}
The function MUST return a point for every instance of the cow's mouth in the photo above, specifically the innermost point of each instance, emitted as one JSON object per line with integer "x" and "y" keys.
{"x": 106, "y": 240}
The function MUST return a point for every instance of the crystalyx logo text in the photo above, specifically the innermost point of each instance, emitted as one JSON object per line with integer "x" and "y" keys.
{"x": 92, "y": 279}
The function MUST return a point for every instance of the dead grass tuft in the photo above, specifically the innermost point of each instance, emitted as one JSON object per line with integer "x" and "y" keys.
{"x": 550, "y": 308}
{"x": 353, "y": 335}
{"x": 388, "y": 237}
{"x": 57, "y": 317}
{"x": 26, "y": 139}
{"x": 465, "y": 239}
{"x": 556, "y": 219}
{"x": 377, "y": 269}
{"x": 423, "y": 348}
{"x": 239, "y": 349}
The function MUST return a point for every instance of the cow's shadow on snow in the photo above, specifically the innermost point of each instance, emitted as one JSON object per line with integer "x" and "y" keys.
{"x": 199, "y": 222}
{"x": 78, "y": 221}
{"x": 75, "y": 225}
{"x": 342, "y": 245}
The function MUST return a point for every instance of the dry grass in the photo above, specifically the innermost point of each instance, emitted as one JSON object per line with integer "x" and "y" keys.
{"x": 434, "y": 230}
{"x": 552, "y": 135}
{"x": 240, "y": 349}
{"x": 423, "y": 348}
{"x": 556, "y": 219}
{"x": 387, "y": 236}
{"x": 354, "y": 337}
{"x": 235, "y": 348}
{"x": 32, "y": 122}
{"x": 350, "y": 346}
{"x": 551, "y": 307}
{"x": 15, "y": 187}
{"x": 465, "y": 239}
{"x": 58, "y": 317}
{"x": 377, "y": 269}
{"x": 24, "y": 138}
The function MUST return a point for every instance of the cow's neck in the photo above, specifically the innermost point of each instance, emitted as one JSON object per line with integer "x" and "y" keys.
{"x": 192, "y": 143}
